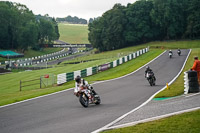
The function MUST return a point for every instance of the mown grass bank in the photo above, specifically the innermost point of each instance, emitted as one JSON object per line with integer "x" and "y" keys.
{"x": 184, "y": 123}
{"x": 73, "y": 33}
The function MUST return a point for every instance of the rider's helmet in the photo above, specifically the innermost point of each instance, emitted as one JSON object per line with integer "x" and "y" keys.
{"x": 78, "y": 79}
{"x": 147, "y": 67}
{"x": 170, "y": 50}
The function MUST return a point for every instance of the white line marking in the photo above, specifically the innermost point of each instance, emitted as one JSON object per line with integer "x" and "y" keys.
{"x": 193, "y": 94}
{"x": 152, "y": 119}
{"x": 120, "y": 118}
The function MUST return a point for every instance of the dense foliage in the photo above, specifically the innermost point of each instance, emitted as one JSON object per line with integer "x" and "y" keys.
{"x": 72, "y": 20}
{"x": 144, "y": 21}
{"x": 21, "y": 29}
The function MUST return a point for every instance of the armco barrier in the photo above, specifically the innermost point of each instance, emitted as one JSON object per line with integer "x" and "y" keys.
{"x": 38, "y": 59}
{"x": 65, "y": 77}
{"x": 186, "y": 83}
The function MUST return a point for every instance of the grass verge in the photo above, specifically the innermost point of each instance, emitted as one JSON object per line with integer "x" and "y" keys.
{"x": 184, "y": 123}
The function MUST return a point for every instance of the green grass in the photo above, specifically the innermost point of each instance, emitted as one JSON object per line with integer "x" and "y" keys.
{"x": 74, "y": 34}
{"x": 184, "y": 123}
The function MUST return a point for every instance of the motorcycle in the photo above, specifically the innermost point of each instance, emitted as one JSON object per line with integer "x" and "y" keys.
{"x": 88, "y": 96}
{"x": 179, "y": 52}
{"x": 170, "y": 55}
{"x": 151, "y": 78}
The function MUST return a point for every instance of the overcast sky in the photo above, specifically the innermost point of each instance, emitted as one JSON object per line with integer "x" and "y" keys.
{"x": 62, "y": 8}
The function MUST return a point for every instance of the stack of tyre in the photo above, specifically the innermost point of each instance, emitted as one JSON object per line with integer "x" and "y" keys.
{"x": 193, "y": 82}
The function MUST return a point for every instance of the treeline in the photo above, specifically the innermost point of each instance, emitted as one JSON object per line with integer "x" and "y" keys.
{"x": 21, "y": 29}
{"x": 144, "y": 21}
{"x": 72, "y": 20}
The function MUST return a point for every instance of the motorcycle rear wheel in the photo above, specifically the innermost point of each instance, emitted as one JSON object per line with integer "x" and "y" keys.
{"x": 98, "y": 100}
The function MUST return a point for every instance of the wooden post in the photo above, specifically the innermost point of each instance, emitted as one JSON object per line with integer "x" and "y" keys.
{"x": 40, "y": 82}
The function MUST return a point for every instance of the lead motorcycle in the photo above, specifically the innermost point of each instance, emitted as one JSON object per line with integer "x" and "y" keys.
{"x": 151, "y": 78}
{"x": 88, "y": 96}
{"x": 170, "y": 55}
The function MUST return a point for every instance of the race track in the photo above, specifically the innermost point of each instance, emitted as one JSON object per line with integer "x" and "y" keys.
{"x": 62, "y": 112}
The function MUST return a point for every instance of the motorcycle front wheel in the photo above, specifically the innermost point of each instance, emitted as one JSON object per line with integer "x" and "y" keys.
{"x": 84, "y": 100}
{"x": 150, "y": 82}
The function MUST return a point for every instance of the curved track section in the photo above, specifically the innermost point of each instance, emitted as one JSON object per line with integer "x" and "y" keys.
{"x": 62, "y": 112}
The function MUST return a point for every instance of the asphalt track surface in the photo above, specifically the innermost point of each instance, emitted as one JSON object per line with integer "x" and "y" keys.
{"x": 62, "y": 112}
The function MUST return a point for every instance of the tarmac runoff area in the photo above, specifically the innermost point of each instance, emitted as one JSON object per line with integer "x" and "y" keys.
{"x": 157, "y": 109}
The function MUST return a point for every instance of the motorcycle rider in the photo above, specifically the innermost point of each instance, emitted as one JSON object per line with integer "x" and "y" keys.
{"x": 81, "y": 82}
{"x": 170, "y": 51}
{"x": 179, "y": 51}
{"x": 148, "y": 69}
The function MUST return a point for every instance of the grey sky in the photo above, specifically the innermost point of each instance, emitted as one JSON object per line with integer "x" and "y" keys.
{"x": 81, "y": 8}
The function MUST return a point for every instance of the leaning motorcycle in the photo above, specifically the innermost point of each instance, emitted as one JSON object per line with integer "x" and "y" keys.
{"x": 151, "y": 78}
{"x": 88, "y": 96}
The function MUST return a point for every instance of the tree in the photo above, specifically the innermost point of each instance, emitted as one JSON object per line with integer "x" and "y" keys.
{"x": 193, "y": 19}
{"x": 56, "y": 29}
{"x": 27, "y": 30}
{"x": 46, "y": 31}
{"x": 5, "y": 16}
{"x": 15, "y": 20}
{"x": 73, "y": 20}
{"x": 91, "y": 20}
{"x": 169, "y": 16}
{"x": 106, "y": 32}
{"x": 21, "y": 29}
{"x": 140, "y": 27}
{"x": 94, "y": 35}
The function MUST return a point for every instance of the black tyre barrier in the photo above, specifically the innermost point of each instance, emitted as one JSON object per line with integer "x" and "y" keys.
{"x": 193, "y": 82}
{"x": 192, "y": 79}
{"x": 192, "y": 74}
{"x": 193, "y": 90}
